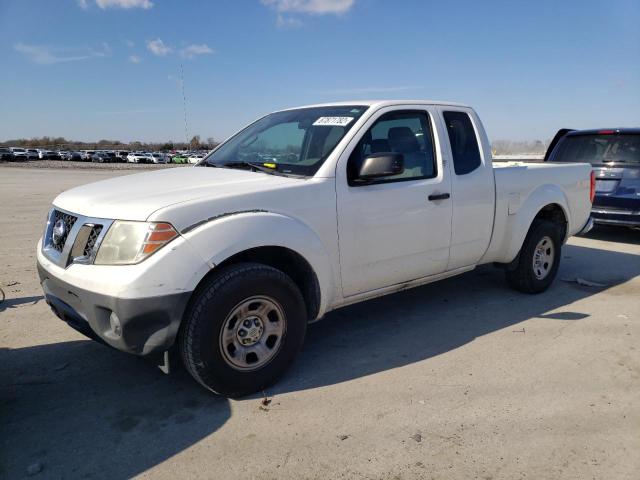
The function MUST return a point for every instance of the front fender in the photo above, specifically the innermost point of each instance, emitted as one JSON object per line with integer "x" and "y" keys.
{"x": 222, "y": 237}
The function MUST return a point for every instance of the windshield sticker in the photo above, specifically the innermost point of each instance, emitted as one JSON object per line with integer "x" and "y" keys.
{"x": 332, "y": 121}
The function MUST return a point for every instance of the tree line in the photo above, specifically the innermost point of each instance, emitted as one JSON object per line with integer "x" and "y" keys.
{"x": 61, "y": 143}
{"x": 511, "y": 147}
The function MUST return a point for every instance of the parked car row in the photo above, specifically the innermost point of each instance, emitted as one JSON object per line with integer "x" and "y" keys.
{"x": 100, "y": 156}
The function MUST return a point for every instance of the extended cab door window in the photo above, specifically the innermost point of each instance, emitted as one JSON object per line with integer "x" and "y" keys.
{"x": 464, "y": 144}
{"x": 404, "y": 132}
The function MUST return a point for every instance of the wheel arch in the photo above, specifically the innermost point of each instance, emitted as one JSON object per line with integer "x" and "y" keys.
{"x": 547, "y": 202}
{"x": 272, "y": 239}
{"x": 552, "y": 212}
{"x": 287, "y": 261}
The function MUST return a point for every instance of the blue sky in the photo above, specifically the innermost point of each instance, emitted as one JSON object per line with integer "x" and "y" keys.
{"x": 93, "y": 69}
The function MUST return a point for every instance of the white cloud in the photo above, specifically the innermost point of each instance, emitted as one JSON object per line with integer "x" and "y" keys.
{"x": 157, "y": 47}
{"x": 83, "y": 4}
{"x": 126, "y": 4}
{"x": 134, "y": 59}
{"x": 194, "y": 50}
{"x": 48, "y": 55}
{"x": 313, "y": 7}
{"x": 287, "y": 21}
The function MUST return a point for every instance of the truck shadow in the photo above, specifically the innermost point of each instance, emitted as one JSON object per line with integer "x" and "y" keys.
{"x": 80, "y": 409}
{"x": 417, "y": 324}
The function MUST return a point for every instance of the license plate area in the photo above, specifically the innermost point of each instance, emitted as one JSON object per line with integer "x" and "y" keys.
{"x": 606, "y": 186}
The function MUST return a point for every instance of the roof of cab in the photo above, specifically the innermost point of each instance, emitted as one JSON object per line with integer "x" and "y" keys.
{"x": 382, "y": 103}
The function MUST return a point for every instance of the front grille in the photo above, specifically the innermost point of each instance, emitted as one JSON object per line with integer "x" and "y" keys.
{"x": 91, "y": 241}
{"x": 77, "y": 242}
{"x": 69, "y": 221}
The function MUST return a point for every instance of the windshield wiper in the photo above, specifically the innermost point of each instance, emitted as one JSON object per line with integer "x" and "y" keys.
{"x": 256, "y": 166}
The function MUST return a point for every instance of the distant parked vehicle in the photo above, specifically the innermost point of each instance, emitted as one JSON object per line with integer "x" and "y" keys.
{"x": 195, "y": 158}
{"x": 615, "y": 157}
{"x": 180, "y": 158}
{"x": 6, "y": 155}
{"x": 121, "y": 155}
{"x": 73, "y": 156}
{"x": 32, "y": 154}
{"x": 103, "y": 157}
{"x": 159, "y": 157}
{"x": 149, "y": 157}
{"x": 139, "y": 157}
{"x": 86, "y": 155}
{"x": 19, "y": 153}
{"x": 44, "y": 154}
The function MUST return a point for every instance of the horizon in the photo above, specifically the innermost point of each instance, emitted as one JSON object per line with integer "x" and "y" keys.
{"x": 112, "y": 69}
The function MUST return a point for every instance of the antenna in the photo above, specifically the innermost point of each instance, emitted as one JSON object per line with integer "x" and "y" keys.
{"x": 184, "y": 106}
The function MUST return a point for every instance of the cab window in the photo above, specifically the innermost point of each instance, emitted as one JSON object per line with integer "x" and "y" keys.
{"x": 405, "y": 132}
{"x": 464, "y": 144}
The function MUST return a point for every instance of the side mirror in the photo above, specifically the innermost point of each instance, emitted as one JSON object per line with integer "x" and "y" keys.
{"x": 380, "y": 165}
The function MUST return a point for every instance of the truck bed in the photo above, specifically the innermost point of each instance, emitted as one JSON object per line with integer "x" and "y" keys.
{"x": 517, "y": 187}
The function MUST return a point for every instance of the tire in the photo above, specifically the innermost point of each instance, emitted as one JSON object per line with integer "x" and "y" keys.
{"x": 209, "y": 335}
{"x": 543, "y": 239}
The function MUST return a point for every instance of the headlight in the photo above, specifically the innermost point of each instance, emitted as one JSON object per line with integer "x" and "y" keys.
{"x": 131, "y": 242}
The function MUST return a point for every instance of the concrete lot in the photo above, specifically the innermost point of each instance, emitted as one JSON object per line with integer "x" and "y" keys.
{"x": 459, "y": 379}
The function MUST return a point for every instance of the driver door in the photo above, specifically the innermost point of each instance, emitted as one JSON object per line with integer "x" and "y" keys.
{"x": 398, "y": 228}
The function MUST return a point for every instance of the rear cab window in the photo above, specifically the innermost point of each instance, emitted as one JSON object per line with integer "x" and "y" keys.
{"x": 598, "y": 149}
{"x": 463, "y": 141}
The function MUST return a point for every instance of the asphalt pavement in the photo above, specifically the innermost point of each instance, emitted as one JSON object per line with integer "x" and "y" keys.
{"x": 462, "y": 378}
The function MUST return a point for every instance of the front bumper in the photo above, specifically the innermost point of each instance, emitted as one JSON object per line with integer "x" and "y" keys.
{"x": 141, "y": 326}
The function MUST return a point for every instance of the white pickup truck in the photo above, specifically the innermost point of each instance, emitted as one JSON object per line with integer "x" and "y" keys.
{"x": 302, "y": 212}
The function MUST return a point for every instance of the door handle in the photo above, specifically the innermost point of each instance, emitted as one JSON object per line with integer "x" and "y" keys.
{"x": 438, "y": 196}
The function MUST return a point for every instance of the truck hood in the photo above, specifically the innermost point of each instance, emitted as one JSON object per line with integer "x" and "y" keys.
{"x": 136, "y": 197}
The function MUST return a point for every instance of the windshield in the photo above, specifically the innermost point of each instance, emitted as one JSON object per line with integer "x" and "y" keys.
{"x": 597, "y": 149}
{"x": 291, "y": 142}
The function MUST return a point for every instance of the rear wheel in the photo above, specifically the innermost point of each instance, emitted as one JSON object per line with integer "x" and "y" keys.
{"x": 243, "y": 329}
{"x": 539, "y": 258}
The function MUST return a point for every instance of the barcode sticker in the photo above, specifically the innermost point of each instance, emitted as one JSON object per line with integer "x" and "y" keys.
{"x": 333, "y": 121}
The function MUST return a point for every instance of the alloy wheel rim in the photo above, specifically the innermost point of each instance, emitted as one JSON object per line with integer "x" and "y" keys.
{"x": 543, "y": 256}
{"x": 252, "y": 333}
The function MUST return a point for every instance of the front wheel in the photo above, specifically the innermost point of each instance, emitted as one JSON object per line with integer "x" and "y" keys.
{"x": 539, "y": 258}
{"x": 243, "y": 329}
